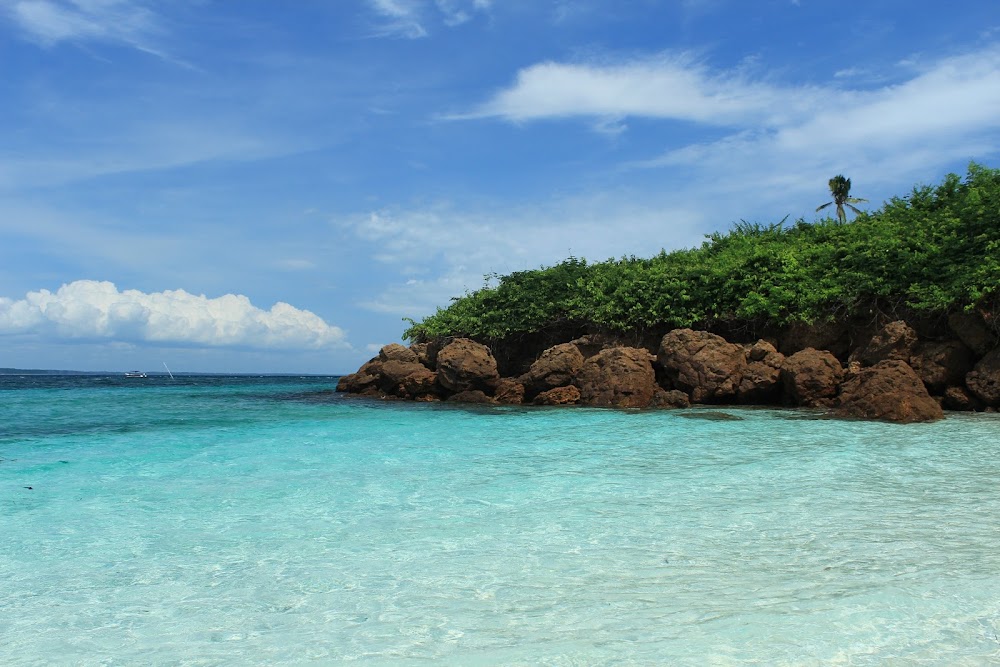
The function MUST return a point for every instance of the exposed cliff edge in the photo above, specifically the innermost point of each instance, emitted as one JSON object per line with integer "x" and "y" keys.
{"x": 893, "y": 375}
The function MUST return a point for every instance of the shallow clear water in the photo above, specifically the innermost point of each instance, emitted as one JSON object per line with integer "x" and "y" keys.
{"x": 212, "y": 521}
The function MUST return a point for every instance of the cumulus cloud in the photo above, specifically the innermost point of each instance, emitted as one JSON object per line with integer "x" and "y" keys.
{"x": 97, "y": 310}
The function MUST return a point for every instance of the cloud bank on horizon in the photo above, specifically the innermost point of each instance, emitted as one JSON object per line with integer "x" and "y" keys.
{"x": 369, "y": 160}
{"x": 97, "y": 310}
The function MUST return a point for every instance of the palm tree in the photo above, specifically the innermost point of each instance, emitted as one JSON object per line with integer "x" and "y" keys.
{"x": 840, "y": 188}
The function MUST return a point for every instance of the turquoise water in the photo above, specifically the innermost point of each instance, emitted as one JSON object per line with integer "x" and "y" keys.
{"x": 218, "y": 521}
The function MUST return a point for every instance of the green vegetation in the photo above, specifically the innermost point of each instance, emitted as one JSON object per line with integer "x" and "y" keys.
{"x": 930, "y": 253}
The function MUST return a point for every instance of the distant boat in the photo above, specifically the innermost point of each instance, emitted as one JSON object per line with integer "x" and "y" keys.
{"x": 135, "y": 374}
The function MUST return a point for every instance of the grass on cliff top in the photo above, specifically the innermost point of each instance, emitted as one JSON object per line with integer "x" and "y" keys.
{"x": 932, "y": 252}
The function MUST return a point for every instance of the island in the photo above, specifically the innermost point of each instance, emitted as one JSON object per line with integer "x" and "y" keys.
{"x": 891, "y": 316}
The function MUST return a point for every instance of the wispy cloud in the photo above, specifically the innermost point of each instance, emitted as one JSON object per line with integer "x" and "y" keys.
{"x": 942, "y": 113}
{"x": 673, "y": 87}
{"x": 438, "y": 252}
{"x": 49, "y": 22}
{"x": 401, "y": 18}
{"x": 90, "y": 309}
{"x": 410, "y": 18}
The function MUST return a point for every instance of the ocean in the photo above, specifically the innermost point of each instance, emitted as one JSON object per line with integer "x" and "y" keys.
{"x": 268, "y": 520}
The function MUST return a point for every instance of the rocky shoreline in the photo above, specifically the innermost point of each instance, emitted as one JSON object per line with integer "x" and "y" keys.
{"x": 894, "y": 374}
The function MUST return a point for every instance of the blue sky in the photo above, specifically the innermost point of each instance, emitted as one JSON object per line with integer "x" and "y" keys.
{"x": 263, "y": 187}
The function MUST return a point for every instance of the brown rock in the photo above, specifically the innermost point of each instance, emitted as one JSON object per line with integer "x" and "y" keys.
{"x": 703, "y": 364}
{"x": 558, "y": 396}
{"x": 396, "y": 352}
{"x": 464, "y": 365}
{"x": 810, "y": 377}
{"x": 470, "y": 396}
{"x": 675, "y": 398}
{"x": 761, "y": 382}
{"x": 426, "y": 354}
{"x": 891, "y": 391}
{"x": 420, "y": 383}
{"x": 971, "y": 330}
{"x": 941, "y": 364}
{"x": 556, "y": 367}
{"x": 365, "y": 377}
{"x": 895, "y": 340}
{"x": 509, "y": 392}
{"x": 619, "y": 377}
{"x": 959, "y": 398}
{"x": 393, "y": 372}
{"x": 984, "y": 379}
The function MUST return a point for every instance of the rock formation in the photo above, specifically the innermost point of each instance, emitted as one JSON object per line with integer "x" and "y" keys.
{"x": 706, "y": 366}
{"x": 984, "y": 379}
{"x": 620, "y": 377}
{"x": 464, "y": 365}
{"x": 556, "y": 367}
{"x": 811, "y": 378}
{"x": 889, "y": 390}
{"x": 891, "y": 375}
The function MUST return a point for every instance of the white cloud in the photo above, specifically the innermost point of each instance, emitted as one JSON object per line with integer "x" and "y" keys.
{"x": 49, "y": 22}
{"x": 409, "y": 18}
{"x": 956, "y": 94}
{"x": 440, "y": 252}
{"x": 942, "y": 114}
{"x": 90, "y": 309}
{"x": 402, "y": 18}
{"x": 668, "y": 87}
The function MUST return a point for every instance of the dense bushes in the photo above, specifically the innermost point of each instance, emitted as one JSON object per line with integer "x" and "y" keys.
{"x": 932, "y": 252}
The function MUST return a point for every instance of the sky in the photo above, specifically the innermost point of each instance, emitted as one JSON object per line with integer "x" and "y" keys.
{"x": 260, "y": 187}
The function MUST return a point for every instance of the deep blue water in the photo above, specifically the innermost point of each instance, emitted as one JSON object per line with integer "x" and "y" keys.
{"x": 268, "y": 520}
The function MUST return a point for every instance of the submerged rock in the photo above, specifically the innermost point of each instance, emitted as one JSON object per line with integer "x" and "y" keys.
{"x": 673, "y": 398}
{"x": 471, "y": 396}
{"x": 711, "y": 415}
